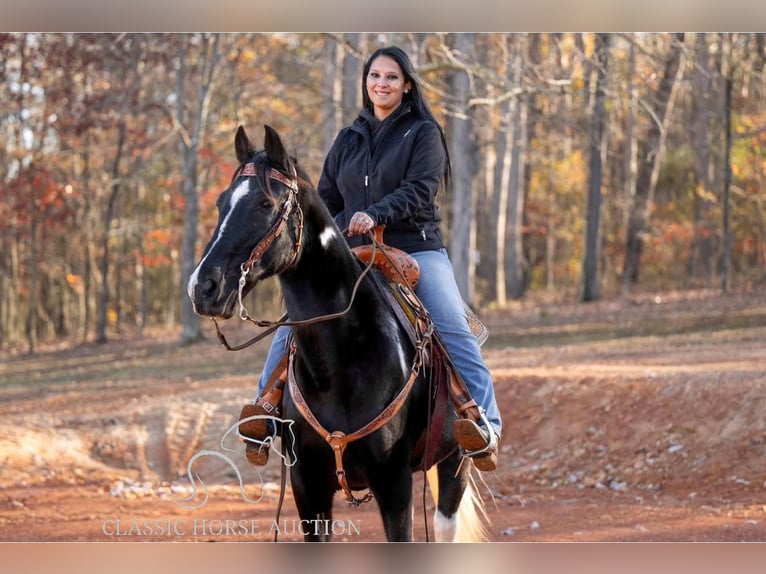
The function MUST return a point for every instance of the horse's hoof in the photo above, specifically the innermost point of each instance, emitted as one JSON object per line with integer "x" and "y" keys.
{"x": 476, "y": 444}
{"x": 257, "y": 454}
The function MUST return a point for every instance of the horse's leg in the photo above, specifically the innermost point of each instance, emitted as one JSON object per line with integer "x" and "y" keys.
{"x": 313, "y": 496}
{"x": 451, "y": 487}
{"x": 394, "y": 495}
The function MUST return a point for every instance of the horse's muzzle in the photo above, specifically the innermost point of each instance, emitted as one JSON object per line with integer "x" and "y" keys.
{"x": 208, "y": 294}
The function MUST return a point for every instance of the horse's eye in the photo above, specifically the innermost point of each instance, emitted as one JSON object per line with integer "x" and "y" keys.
{"x": 266, "y": 204}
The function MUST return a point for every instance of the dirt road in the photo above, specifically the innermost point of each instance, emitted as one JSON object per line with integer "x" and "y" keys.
{"x": 632, "y": 420}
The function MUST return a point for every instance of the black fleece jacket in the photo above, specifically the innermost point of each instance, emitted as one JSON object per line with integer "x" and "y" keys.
{"x": 390, "y": 170}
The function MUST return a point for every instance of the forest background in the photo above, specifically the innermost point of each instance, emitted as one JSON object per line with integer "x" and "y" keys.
{"x": 584, "y": 165}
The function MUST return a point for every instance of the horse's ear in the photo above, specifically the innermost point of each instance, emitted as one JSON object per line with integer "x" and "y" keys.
{"x": 242, "y": 145}
{"x": 275, "y": 149}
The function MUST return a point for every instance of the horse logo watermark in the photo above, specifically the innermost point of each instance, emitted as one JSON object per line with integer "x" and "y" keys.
{"x": 194, "y": 479}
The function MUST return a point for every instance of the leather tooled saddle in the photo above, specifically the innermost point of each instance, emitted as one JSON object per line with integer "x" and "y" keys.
{"x": 400, "y": 268}
{"x": 401, "y": 273}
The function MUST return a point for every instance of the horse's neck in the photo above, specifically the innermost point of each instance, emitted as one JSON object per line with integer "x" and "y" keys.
{"x": 324, "y": 274}
{"x": 322, "y": 283}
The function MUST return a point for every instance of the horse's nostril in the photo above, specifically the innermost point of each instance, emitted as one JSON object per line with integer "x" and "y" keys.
{"x": 209, "y": 287}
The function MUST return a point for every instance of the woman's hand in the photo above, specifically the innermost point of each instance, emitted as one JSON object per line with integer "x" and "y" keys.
{"x": 360, "y": 224}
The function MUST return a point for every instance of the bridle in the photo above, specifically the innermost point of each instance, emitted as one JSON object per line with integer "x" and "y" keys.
{"x": 289, "y": 206}
{"x": 291, "y": 203}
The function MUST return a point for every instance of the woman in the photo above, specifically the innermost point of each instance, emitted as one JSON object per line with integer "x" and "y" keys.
{"x": 385, "y": 169}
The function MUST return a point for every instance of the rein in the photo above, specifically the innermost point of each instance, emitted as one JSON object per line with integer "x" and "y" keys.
{"x": 272, "y": 326}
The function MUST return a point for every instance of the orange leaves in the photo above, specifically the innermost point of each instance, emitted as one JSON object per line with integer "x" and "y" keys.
{"x": 675, "y": 233}
{"x": 159, "y": 245}
{"x": 75, "y": 283}
{"x": 39, "y": 193}
{"x": 161, "y": 237}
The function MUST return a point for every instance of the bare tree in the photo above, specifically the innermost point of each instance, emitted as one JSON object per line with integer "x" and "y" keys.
{"x": 191, "y": 134}
{"x": 726, "y": 231}
{"x": 590, "y": 278}
{"x": 352, "y": 71}
{"x": 331, "y": 91}
{"x": 463, "y": 153}
{"x": 702, "y": 257}
{"x": 650, "y": 150}
{"x": 103, "y": 305}
{"x": 510, "y": 195}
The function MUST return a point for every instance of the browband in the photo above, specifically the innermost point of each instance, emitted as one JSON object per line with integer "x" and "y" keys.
{"x": 251, "y": 169}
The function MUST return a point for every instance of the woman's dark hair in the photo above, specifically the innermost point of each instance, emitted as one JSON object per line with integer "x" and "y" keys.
{"x": 414, "y": 97}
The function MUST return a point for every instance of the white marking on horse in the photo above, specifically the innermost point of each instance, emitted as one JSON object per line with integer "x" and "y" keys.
{"x": 444, "y": 528}
{"x": 327, "y": 236}
{"x": 402, "y": 360}
{"x": 241, "y": 191}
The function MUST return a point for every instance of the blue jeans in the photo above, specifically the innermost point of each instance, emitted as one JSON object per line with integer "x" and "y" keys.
{"x": 439, "y": 293}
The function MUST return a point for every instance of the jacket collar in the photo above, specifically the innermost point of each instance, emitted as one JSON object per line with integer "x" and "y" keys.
{"x": 368, "y": 123}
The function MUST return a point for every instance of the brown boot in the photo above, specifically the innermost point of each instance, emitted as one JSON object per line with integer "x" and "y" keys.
{"x": 477, "y": 444}
{"x": 269, "y": 404}
{"x": 255, "y": 430}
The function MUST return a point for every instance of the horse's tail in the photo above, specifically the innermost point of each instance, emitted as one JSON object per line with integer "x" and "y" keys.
{"x": 472, "y": 520}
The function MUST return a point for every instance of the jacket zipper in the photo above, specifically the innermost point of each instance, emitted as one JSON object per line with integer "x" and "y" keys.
{"x": 367, "y": 201}
{"x": 367, "y": 194}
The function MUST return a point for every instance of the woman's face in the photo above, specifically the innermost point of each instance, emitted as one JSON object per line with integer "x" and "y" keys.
{"x": 385, "y": 86}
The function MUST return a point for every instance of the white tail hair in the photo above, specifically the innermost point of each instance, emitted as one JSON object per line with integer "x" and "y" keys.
{"x": 470, "y": 523}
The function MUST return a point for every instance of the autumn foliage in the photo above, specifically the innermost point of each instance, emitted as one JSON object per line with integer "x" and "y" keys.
{"x": 73, "y": 198}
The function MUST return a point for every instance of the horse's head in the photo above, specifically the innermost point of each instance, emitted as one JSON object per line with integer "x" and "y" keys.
{"x": 259, "y": 227}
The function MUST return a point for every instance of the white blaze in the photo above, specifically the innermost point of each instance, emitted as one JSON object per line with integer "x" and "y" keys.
{"x": 241, "y": 191}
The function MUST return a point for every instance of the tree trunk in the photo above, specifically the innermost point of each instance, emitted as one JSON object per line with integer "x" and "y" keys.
{"x": 103, "y": 304}
{"x": 515, "y": 260}
{"x": 650, "y": 150}
{"x": 190, "y": 142}
{"x": 462, "y": 152}
{"x": 30, "y": 328}
{"x": 331, "y": 88}
{"x": 352, "y": 71}
{"x": 702, "y": 259}
{"x": 485, "y": 191}
{"x": 509, "y": 181}
{"x": 590, "y": 278}
{"x": 531, "y": 102}
{"x": 503, "y": 146}
{"x": 726, "y": 263}
{"x": 631, "y": 157}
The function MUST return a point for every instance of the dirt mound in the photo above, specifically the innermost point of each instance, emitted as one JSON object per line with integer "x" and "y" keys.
{"x": 31, "y": 456}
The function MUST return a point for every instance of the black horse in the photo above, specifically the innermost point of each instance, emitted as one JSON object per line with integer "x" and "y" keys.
{"x": 272, "y": 222}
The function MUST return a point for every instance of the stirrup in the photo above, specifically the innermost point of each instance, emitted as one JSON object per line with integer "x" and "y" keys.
{"x": 476, "y": 443}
